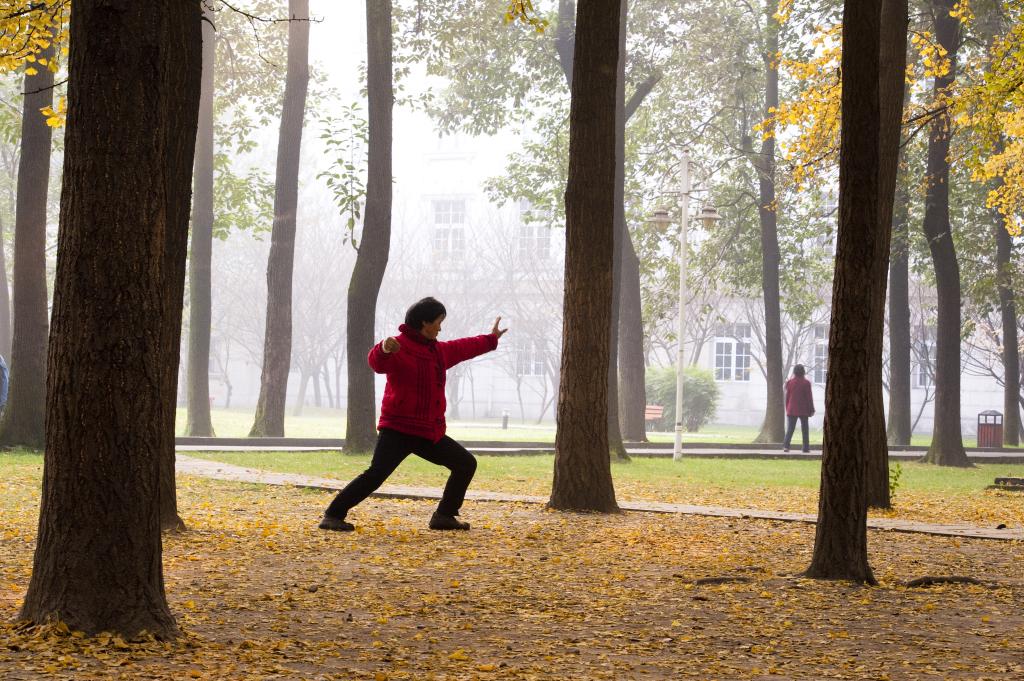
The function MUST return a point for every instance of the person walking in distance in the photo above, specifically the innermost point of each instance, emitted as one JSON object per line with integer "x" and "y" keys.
{"x": 412, "y": 413}
{"x": 799, "y": 405}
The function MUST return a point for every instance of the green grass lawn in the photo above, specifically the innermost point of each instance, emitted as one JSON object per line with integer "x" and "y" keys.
{"x": 330, "y": 423}
{"x": 730, "y": 473}
{"x": 724, "y": 473}
{"x": 926, "y": 493}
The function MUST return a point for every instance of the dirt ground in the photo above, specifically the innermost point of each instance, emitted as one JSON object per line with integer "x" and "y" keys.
{"x": 260, "y": 593}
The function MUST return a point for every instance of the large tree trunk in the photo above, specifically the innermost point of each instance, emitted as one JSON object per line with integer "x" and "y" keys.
{"x": 97, "y": 563}
{"x": 632, "y": 394}
{"x": 947, "y": 448}
{"x": 620, "y": 235}
{"x": 631, "y": 365}
{"x": 326, "y": 375}
{"x": 582, "y": 476}
{"x": 453, "y": 388}
{"x": 372, "y": 258}
{"x": 180, "y": 167}
{"x": 773, "y": 428}
{"x": 854, "y": 419}
{"x": 277, "y": 341}
{"x": 1011, "y": 346}
{"x": 198, "y": 375}
{"x": 892, "y": 66}
{"x": 5, "y": 301}
{"x": 301, "y": 401}
{"x": 22, "y": 422}
{"x": 565, "y": 35}
{"x": 900, "y": 417}
{"x": 630, "y": 332}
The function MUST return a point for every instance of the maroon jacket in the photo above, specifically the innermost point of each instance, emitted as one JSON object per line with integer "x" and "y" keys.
{"x": 799, "y": 399}
{"x": 414, "y": 400}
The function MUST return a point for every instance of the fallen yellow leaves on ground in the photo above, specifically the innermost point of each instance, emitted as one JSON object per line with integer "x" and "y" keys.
{"x": 260, "y": 593}
{"x": 987, "y": 507}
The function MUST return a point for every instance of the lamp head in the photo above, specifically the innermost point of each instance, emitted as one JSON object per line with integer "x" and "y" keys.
{"x": 709, "y": 215}
{"x": 661, "y": 218}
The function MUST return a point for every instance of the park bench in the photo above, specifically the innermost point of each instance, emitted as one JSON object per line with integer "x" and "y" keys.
{"x": 1009, "y": 484}
{"x": 652, "y": 412}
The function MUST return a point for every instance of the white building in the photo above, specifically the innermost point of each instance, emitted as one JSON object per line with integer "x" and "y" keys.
{"x": 483, "y": 260}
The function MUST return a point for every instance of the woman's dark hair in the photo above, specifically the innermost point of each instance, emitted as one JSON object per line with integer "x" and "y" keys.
{"x": 423, "y": 312}
{"x": 799, "y": 370}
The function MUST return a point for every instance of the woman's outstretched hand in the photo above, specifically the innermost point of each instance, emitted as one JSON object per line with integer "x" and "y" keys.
{"x": 496, "y": 331}
{"x": 390, "y": 345}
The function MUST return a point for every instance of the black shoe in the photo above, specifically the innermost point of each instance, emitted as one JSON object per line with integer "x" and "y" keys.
{"x": 807, "y": 451}
{"x": 439, "y": 521}
{"x": 336, "y": 524}
{"x": 785, "y": 449}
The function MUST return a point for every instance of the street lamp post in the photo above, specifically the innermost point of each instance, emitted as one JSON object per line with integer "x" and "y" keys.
{"x": 708, "y": 216}
{"x": 684, "y": 219}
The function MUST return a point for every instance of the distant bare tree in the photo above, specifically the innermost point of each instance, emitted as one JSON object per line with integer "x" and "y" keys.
{"x": 22, "y": 422}
{"x": 269, "y": 418}
{"x": 319, "y": 321}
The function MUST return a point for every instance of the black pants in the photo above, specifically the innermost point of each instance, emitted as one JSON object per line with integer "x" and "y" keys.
{"x": 392, "y": 448}
{"x": 791, "y": 426}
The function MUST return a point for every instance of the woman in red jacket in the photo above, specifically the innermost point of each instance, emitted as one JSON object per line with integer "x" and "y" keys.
{"x": 412, "y": 413}
{"x": 799, "y": 406}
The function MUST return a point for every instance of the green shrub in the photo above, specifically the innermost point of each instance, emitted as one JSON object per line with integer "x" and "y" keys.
{"x": 700, "y": 397}
{"x": 895, "y": 475}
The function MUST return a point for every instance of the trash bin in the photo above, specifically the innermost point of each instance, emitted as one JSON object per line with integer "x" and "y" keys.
{"x": 990, "y": 429}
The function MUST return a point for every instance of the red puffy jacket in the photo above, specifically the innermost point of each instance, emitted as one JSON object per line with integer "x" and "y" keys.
{"x": 799, "y": 397}
{"x": 414, "y": 400}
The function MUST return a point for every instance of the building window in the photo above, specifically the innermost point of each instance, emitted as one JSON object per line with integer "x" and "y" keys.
{"x": 732, "y": 352}
{"x": 819, "y": 367}
{"x": 723, "y": 360}
{"x": 449, "y": 227}
{"x": 534, "y": 241}
{"x": 924, "y": 357}
{"x": 529, "y": 358}
{"x": 534, "y": 233}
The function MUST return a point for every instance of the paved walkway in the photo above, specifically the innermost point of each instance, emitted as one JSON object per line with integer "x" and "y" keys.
{"x": 223, "y": 471}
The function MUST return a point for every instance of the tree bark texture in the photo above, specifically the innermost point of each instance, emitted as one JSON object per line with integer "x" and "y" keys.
{"x": 1011, "y": 344}
{"x": 198, "y": 421}
{"x": 854, "y": 422}
{"x": 773, "y": 427}
{"x": 892, "y": 66}
{"x": 22, "y": 421}
{"x": 947, "y": 447}
{"x": 621, "y": 234}
{"x": 565, "y": 36}
{"x": 632, "y": 393}
{"x": 582, "y": 475}
{"x": 631, "y": 364}
{"x": 133, "y": 93}
{"x": 182, "y": 116}
{"x": 5, "y": 301}
{"x": 277, "y": 341}
{"x": 900, "y": 417}
{"x": 375, "y": 244}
